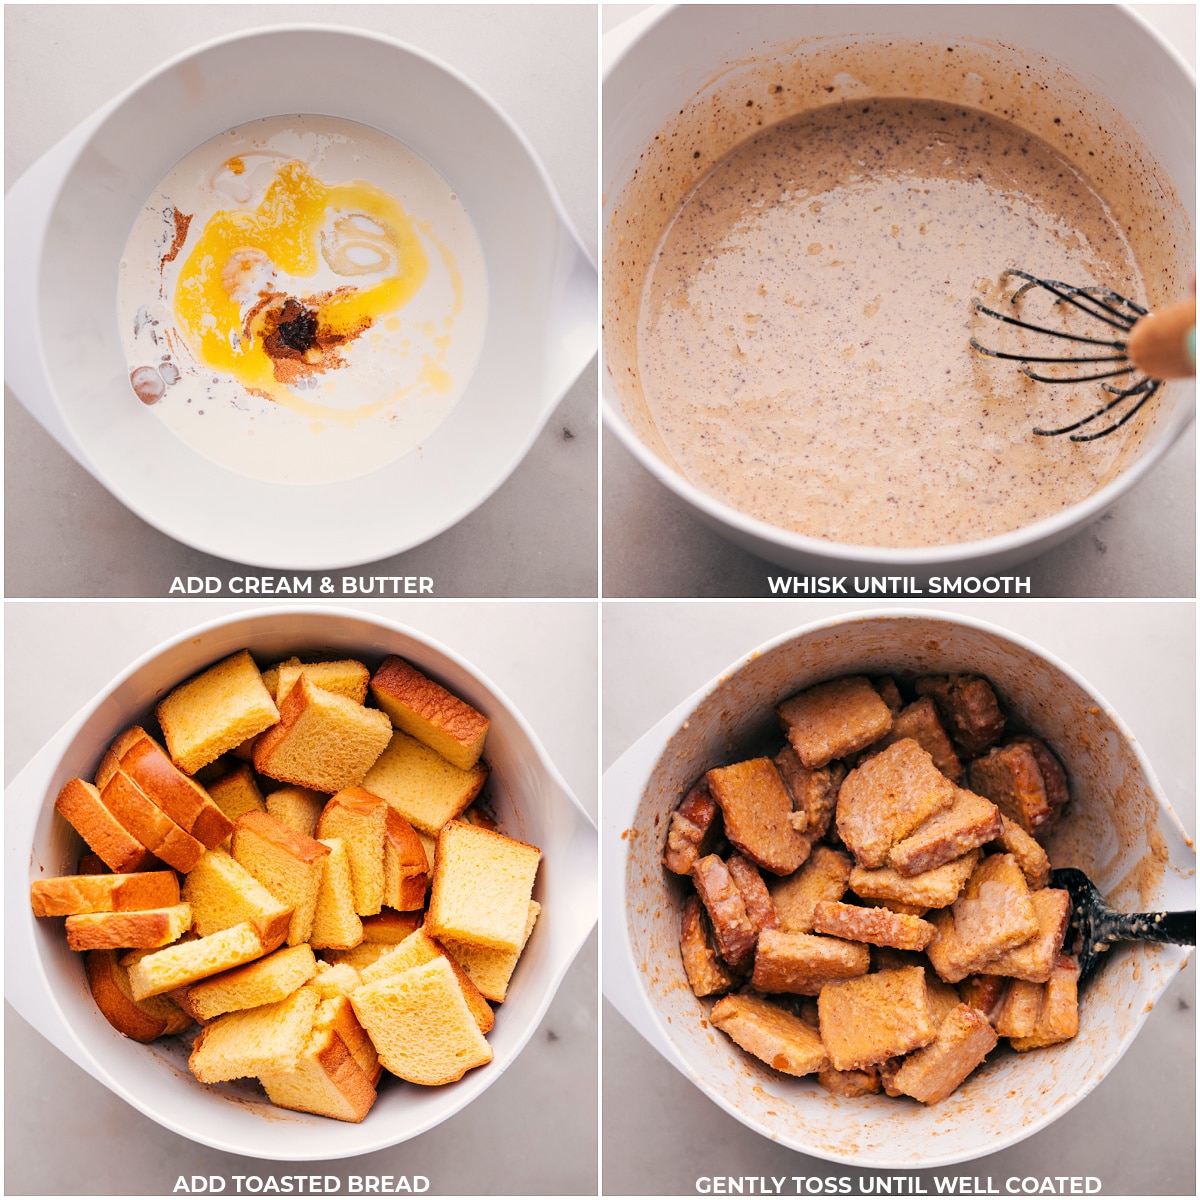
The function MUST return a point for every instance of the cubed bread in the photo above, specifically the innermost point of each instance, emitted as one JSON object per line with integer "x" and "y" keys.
{"x": 706, "y": 974}
{"x": 298, "y": 808}
{"x": 931, "y": 889}
{"x": 335, "y": 979}
{"x": 336, "y": 925}
{"x": 405, "y": 868}
{"x": 337, "y": 1013}
{"x": 984, "y": 992}
{"x": 426, "y": 711}
{"x": 968, "y": 708}
{"x": 425, "y": 788}
{"x": 362, "y": 955}
{"x": 149, "y": 824}
{"x": 801, "y": 963}
{"x": 1017, "y": 1014}
{"x": 345, "y": 677}
{"x": 814, "y": 793}
{"x": 223, "y": 893}
{"x": 876, "y": 926}
{"x": 1031, "y": 858}
{"x": 288, "y": 864}
{"x": 1011, "y": 777}
{"x": 1034, "y": 959}
{"x": 119, "y": 930}
{"x": 757, "y": 810}
{"x": 81, "y": 804}
{"x": 69, "y": 895}
{"x": 695, "y": 829}
{"x": 931, "y": 1073}
{"x": 184, "y": 963}
{"x": 482, "y": 886}
{"x": 258, "y": 1040}
{"x": 359, "y": 819}
{"x": 236, "y": 793}
{"x": 322, "y": 741}
{"x": 215, "y": 711}
{"x": 920, "y": 722}
{"x": 834, "y": 719}
{"x": 778, "y": 1038}
{"x": 139, "y": 1020}
{"x": 759, "y": 905}
{"x": 491, "y": 970}
{"x": 968, "y": 823}
{"x": 420, "y": 1024}
{"x": 325, "y": 1080}
{"x": 875, "y": 1017}
{"x": 823, "y": 877}
{"x": 1058, "y": 1013}
{"x": 734, "y": 931}
{"x": 851, "y": 1085}
{"x": 390, "y": 927}
{"x": 264, "y": 981}
{"x": 886, "y": 798}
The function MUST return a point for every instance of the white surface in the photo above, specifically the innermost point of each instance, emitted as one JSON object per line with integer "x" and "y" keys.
{"x": 1136, "y": 1130}
{"x": 99, "y": 51}
{"x": 1140, "y": 545}
{"x": 56, "y": 636}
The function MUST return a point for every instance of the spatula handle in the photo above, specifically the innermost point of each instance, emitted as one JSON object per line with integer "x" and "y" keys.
{"x": 1163, "y": 344}
{"x": 1178, "y": 928}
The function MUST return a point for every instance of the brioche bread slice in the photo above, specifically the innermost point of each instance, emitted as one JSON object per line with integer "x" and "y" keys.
{"x": 140, "y": 1020}
{"x": 425, "y": 788}
{"x": 426, "y": 711}
{"x": 335, "y": 923}
{"x": 360, "y": 956}
{"x": 223, "y": 893}
{"x": 236, "y": 793}
{"x": 92, "y": 864}
{"x": 151, "y": 927}
{"x": 322, "y": 741}
{"x": 337, "y": 1013}
{"x": 215, "y": 711}
{"x": 346, "y": 677}
{"x": 288, "y": 864}
{"x": 177, "y": 966}
{"x": 181, "y": 798}
{"x": 390, "y": 926}
{"x": 69, "y": 895}
{"x": 268, "y": 1038}
{"x": 359, "y": 819}
{"x": 491, "y": 970}
{"x": 298, "y": 808}
{"x": 83, "y": 807}
{"x": 421, "y": 1025}
{"x": 325, "y": 1080}
{"x": 264, "y": 981}
{"x": 121, "y": 746}
{"x": 149, "y": 824}
{"x": 405, "y": 868}
{"x": 335, "y": 979}
{"x": 482, "y": 886}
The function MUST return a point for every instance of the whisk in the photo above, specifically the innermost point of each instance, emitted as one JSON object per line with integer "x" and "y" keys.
{"x": 1150, "y": 347}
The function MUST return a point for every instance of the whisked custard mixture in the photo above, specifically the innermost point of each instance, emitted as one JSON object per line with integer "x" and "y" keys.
{"x": 803, "y": 334}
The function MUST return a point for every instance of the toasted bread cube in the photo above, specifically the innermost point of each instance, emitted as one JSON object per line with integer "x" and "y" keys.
{"x": 255, "y": 1041}
{"x": 223, "y": 893}
{"x": 876, "y": 926}
{"x": 850, "y": 1084}
{"x": 984, "y": 992}
{"x": 296, "y": 807}
{"x": 889, "y": 693}
{"x": 823, "y": 877}
{"x": 695, "y": 830}
{"x": 707, "y": 975}
{"x": 933, "y": 889}
{"x": 149, "y": 824}
{"x": 1031, "y": 858}
{"x": 814, "y": 793}
{"x": 1058, "y": 1015}
{"x": 968, "y": 823}
{"x": 875, "y": 1017}
{"x": 491, "y": 970}
{"x": 425, "y": 788}
{"x": 337, "y": 1014}
{"x": 326, "y": 1080}
{"x": 421, "y": 1024}
{"x": 72, "y": 895}
{"x": 1017, "y": 1014}
{"x": 426, "y": 711}
{"x": 757, "y": 811}
{"x": 236, "y": 793}
{"x": 264, "y": 981}
{"x": 360, "y": 820}
{"x": 1011, "y": 777}
{"x": 801, "y": 962}
{"x": 834, "y": 719}
{"x": 81, "y": 804}
{"x": 941, "y": 997}
{"x": 776, "y": 1037}
{"x": 885, "y": 799}
{"x": 1034, "y": 960}
{"x": 920, "y": 722}
{"x": 335, "y": 923}
{"x": 215, "y": 711}
{"x": 732, "y": 926}
{"x": 390, "y": 927}
{"x": 288, "y": 864}
{"x": 1054, "y": 778}
{"x": 962, "y": 1043}
{"x": 405, "y": 867}
{"x": 346, "y": 677}
{"x": 335, "y": 979}
{"x": 184, "y": 963}
{"x": 759, "y": 905}
{"x": 360, "y": 956}
{"x": 322, "y": 741}
{"x": 896, "y": 906}
{"x": 139, "y": 1020}
{"x": 968, "y": 708}
{"x": 148, "y": 928}
{"x": 993, "y": 914}
{"x": 482, "y": 886}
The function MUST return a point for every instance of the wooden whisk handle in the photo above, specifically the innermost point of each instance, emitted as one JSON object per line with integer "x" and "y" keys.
{"x": 1163, "y": 344}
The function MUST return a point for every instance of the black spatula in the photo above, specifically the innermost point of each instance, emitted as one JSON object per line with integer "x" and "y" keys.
{"x": 1095, "y": 926}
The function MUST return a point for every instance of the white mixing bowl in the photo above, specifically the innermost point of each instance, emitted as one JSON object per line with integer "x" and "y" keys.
{"x": 1120, "y": 829}
{"x": 67, "y": 219}
{"x": 44, "y": 980}
{"x": 661, "y": 62}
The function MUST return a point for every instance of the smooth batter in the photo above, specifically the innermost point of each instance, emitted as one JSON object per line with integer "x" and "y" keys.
{"x": 803, "y": 332}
